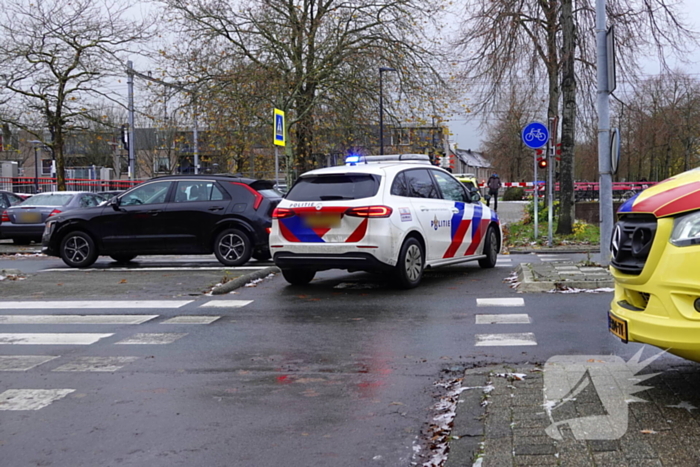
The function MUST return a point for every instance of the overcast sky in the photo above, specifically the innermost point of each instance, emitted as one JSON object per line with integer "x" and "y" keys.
{"x": 468, "y": 136}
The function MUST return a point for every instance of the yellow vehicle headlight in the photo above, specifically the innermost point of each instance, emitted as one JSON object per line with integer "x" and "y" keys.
{"x": 686, "y": 230}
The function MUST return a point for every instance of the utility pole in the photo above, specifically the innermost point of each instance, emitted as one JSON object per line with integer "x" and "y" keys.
{"x": 604, "y": 170}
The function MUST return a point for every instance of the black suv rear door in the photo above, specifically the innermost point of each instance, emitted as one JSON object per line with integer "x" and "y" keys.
{"x": 191, "y": 217}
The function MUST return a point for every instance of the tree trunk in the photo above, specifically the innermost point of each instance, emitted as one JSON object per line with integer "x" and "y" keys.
{"x": 566, "y": 187}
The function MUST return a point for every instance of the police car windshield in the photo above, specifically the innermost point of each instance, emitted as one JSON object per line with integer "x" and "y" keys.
{"x": 334, "y": 187}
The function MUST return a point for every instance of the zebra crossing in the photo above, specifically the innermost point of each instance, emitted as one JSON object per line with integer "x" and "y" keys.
{"x": 35, "y": 399}
{"x": 503, "y": 339}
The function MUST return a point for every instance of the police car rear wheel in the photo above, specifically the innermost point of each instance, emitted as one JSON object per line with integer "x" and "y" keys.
{"x": 409, "y": 269}
{"x": 490, "y": 249}
{"x": 298, "y": 276}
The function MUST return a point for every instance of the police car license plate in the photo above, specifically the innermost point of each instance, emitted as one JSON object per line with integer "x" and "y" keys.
{"x": 617, "y": 326}
{"x": 322, "y": 220}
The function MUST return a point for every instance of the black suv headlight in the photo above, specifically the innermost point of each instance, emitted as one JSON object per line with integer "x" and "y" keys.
{"x": 686, "y": 230}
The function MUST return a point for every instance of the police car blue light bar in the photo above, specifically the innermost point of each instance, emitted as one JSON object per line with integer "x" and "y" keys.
{"x": 354, "y": 159}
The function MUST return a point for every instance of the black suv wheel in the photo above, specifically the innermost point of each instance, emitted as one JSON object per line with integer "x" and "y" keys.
{"x": 232, "y": 247}
{"x": 78, "y": 249}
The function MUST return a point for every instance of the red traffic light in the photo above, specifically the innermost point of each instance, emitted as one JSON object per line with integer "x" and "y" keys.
{"x": 542, "y": 163}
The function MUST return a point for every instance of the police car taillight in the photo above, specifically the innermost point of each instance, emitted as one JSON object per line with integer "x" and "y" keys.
{"x": 369, "y": 211}
{"x": 282, "y": 213}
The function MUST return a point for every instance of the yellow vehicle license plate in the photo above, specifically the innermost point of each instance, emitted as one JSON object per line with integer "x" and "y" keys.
{"x": 322, "y": 220}
{"x": 617, "y": 326}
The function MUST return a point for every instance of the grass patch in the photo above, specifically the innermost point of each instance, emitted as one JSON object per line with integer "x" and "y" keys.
{"x": 521, "y": 234}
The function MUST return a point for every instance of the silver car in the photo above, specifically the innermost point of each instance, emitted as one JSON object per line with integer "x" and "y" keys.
{"x": 24, "y": 222}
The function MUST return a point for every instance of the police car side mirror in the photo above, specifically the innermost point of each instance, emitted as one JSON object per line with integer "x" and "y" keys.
{"x": 474, "y": 196}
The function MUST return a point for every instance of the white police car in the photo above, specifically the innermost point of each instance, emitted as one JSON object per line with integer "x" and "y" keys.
{"x": 381, "y": 213}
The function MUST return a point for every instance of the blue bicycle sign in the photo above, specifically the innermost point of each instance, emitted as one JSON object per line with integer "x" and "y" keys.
{"x": 535, "y": 135}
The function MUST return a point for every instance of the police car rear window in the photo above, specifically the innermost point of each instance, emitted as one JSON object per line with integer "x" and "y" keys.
{"x": 334, "y": 187}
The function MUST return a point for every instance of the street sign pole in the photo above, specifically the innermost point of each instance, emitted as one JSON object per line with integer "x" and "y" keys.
{"x": 535, "y": 135}
{"x": 535, "y": 195}
{"x": 279, "y": 138}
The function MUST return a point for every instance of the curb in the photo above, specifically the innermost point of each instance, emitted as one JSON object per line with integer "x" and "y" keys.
{"x": 570, "y": 251}
{"x": 240, "y": 281}
{"x": 528, "y": 283}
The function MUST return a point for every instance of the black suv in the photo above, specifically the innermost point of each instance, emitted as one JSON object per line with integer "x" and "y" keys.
{"x": 191, "y": 214}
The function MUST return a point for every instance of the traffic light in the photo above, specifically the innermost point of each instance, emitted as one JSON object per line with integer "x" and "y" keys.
{"x": 542, "y": 163}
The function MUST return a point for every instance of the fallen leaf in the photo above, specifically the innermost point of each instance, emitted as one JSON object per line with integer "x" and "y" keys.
{"x": 123, "y": 281}
{"x": 648, "y": 432}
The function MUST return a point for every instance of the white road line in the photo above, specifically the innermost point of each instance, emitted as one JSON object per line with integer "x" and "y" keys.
{"x": 505, "y": 262}
{"x": 500, "y": 302}
{"x": 96, "y": 364}
{"x": 152, "y": 339}
{"x": 97, "y": 304}
{"x": 503, "y": 319}
{"x": 75, "y": 319}
{"x": 226, "y": 303}
{"x": 168, "y": 268}
{"x": 23, "y": 362}
{"x": 488, "y": 340}
{"x": 31, "y": 399}
{"x": 51, "y": 339}
{"x": 194, "y": 319}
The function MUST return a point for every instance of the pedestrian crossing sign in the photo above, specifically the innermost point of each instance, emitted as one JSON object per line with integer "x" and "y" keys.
{"x": 279, "y": 139}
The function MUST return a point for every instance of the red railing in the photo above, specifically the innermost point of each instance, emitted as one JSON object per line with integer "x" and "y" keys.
{"x": 29, "y": 184}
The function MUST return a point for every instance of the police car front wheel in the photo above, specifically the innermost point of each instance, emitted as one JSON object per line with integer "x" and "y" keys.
{"x": 409, "y": 269}
{"x": 490, "y": 249}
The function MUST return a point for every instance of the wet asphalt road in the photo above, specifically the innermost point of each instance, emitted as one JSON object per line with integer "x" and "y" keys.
{"x": 341, "y": 372}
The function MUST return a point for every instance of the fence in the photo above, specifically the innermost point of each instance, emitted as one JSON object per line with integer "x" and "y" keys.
{"x": 587, "y": 191}
{"x": 28, "y": 185}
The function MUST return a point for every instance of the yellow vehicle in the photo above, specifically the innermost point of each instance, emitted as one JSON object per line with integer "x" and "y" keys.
{"x": 655, "y": 264}
{"x": 468, "y": 180}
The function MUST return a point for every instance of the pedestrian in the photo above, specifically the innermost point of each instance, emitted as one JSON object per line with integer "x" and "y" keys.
{"x": 494, "y": 184}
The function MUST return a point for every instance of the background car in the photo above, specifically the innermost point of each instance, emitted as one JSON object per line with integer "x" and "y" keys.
{"x": 229, "y": 216}
{"x": 8, "y": 199}
{"x": 24, "y": 222}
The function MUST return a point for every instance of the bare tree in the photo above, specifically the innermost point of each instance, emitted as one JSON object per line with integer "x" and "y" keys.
{"x": 55, "y": 57}
{"x": 313, "y": 52}
{"x": 506, "y": 40}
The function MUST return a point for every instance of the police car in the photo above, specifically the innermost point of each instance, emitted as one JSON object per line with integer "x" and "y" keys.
{"x": 397, "y": 214}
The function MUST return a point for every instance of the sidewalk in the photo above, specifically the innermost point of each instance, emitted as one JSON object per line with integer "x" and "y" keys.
{"x": 503, "y": 419}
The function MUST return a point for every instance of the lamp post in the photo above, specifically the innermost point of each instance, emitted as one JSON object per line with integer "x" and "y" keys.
{"x": 35, "y": 144}
{"x": 382, "y": 69}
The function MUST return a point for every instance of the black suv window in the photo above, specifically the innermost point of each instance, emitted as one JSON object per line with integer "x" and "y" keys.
{"x": 197, "y": 190}
{"x": 334, "y": 187}
{"x": 148, "y": 193}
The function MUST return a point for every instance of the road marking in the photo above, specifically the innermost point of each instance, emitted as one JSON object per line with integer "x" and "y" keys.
{"x": 52, "y": 339}
{"x": 24, "y": 305}
{"x": 31, "y": 399}
{"x": 191, "y": 320}
{"x": 503, "y": 319}
{"x": 152, "y": 339}
{"x": 75, "y": 319}
{"x": 500, "y": 340}
{"x": 500, "y": 302}
{"x": 504, "y": 262}
{"x": 226, "y": 303}
{"x": 23, "y": 362}
{"x": 96, "y": 364}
